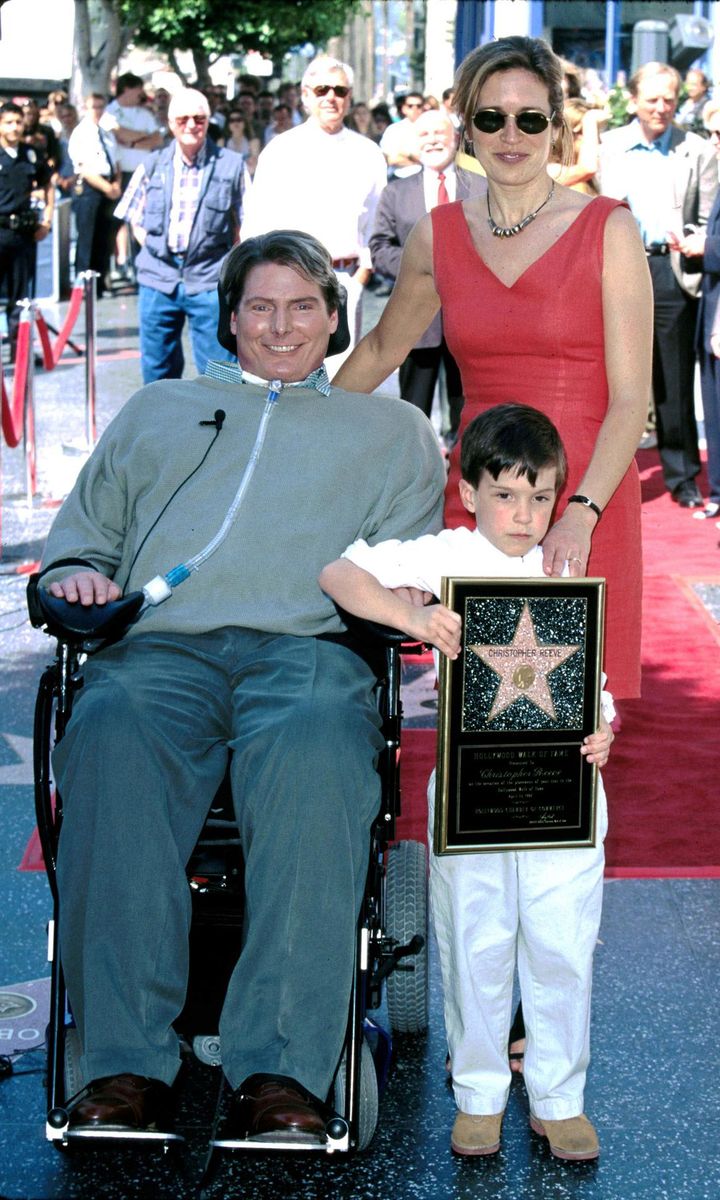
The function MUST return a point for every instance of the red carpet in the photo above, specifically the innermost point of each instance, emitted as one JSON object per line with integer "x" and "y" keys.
{"x": 662, "y": 777}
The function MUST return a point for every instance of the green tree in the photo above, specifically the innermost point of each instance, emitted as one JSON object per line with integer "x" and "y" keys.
{"x": 210, "y": 28}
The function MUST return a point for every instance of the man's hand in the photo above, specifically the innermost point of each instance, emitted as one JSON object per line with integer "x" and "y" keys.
{"x": 568, "y": 541}
{"x": 88, "y": 587}
{"x": 596, "y": 746}
{"x": 438, "y": 626}
{"x": 692, "y": 245}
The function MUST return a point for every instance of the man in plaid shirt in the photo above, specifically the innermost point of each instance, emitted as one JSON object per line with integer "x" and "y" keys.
{"x": 184, "y": 205}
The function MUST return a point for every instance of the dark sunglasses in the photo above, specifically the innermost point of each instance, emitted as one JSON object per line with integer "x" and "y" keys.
{"x": 339, "y": 89}
{"x": 198, "y": 119}
{"x": 489, "y": 120}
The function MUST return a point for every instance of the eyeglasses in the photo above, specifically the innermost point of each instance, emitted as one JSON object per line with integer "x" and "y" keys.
{"x": 413, "y": 104}
{"x": 338, "y": 89}
{"x": 713, "y": 133}
{"x": 489, "y": 120}
{"x": 198, "y": 119}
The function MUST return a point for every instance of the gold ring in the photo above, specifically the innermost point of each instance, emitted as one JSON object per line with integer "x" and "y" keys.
{"x": 574, "y": 558}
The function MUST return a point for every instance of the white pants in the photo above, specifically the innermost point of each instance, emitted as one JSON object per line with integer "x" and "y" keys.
{"x": 541, "y": 907}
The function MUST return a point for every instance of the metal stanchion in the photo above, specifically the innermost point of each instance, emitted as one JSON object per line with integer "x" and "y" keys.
{"x": 29, "y": 448}
{"x": 88, "y": 278}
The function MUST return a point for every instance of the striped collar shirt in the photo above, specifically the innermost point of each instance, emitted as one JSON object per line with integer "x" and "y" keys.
{"x": 232, "y": 372}
{"x": 187, "y": 188}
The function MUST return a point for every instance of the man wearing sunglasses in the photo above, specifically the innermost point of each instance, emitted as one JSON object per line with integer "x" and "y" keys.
{"x": 323, "y": 179}
{"x": 399, "y": 143}
{"x": 185, "y": 207}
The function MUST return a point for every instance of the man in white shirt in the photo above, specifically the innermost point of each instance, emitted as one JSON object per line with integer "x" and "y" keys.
{"x": 323, "y": 179}
{"x": 402, "y": 204}
{"x": 399, "y": 143}
{"x": 93, "y": 152}
{"x": 137, "y": 133}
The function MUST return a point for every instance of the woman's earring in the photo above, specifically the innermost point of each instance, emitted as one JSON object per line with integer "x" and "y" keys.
{"x": 470, "y": 147}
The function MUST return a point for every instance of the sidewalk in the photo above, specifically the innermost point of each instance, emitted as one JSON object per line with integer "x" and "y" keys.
{"x": 652, "y": 1087}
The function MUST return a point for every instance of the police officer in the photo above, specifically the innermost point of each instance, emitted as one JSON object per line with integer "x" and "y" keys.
{"x": 21, "y": 225}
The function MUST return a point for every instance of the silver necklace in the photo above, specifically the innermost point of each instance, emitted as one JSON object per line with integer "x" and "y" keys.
{"x": 505, "y": 231}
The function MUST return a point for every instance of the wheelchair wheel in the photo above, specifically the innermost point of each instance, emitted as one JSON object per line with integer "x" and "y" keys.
{"x": 369, "y": 1101}
{"x": 406, "y": 914}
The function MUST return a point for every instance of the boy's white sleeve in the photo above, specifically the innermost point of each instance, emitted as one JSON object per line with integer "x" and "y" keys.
{"x": 399, "y": 564}
{"x": 607, "y": 704}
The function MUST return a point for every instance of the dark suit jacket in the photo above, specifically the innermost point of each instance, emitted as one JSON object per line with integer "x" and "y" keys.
{"x": 401, "y": 205}
{"x": 709, "y": 312}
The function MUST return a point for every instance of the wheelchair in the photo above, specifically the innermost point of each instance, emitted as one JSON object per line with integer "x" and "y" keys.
{"x": 391, "y": 942}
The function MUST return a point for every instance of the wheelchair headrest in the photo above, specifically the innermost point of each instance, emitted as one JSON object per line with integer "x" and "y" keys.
{"x": 339, "y": 340}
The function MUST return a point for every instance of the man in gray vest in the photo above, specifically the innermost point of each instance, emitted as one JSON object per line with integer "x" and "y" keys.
{"x": 185, "y": 206}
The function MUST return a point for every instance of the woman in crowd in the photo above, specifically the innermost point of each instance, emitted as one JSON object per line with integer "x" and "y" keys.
{"x": 237, "y": 139}
{"x": 361, "y": 120}
{"x": 546, "y": 300}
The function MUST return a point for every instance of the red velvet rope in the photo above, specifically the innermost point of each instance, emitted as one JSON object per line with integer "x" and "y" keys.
{"x": 12, "y": 413}
{"x": 76, "y": 300}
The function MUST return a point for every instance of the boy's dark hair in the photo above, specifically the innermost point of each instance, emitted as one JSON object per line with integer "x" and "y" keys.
{"x": 511, "y": 437}
{"x": 9, "y": 107}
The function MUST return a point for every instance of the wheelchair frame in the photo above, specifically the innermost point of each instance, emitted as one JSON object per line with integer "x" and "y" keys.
{"x": 379, "y": 951}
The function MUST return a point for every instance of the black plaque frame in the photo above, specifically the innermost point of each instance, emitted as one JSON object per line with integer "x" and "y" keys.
{"x": 510, "y": 776}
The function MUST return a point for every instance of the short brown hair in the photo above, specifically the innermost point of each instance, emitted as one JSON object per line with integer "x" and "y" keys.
{"x": 511, "y": 54}
{"x": 647, "y": 71}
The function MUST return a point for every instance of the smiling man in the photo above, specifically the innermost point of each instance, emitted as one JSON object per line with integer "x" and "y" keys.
{"x": 402, "y": 204}
{"x": 248, "y": 655}
{"x": 185, "y": 207}
{"x": 325, "y": 179}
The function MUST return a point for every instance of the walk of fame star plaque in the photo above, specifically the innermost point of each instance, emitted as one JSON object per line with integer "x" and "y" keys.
{"x": 514, "y": 710}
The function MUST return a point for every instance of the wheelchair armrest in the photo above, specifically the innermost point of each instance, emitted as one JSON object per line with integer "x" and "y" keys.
{"x": 371, "y": 631}
{"x": 80, "y": 622}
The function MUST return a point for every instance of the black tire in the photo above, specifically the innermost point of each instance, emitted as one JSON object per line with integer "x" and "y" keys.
{"x": 369, "y": 1100}
{"x": 406, "y": 914}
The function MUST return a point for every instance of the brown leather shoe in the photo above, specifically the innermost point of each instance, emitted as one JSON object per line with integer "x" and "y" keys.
{"x": 272, "y": 1104}
{"x": 123, "y": 1102}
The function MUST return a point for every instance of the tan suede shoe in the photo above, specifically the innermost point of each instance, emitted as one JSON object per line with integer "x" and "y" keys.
{"x": 574, "y": 1138}
{"x": 473, "y": 1134}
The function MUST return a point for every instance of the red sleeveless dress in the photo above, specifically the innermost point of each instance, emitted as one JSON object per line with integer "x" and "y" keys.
{"x": 540, "y": 342}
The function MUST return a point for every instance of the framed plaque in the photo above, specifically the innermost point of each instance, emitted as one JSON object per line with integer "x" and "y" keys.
{"x": 514, "y": 709}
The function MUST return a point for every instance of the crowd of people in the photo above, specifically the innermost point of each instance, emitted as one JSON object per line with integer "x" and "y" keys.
{"x": 529, "y": 254}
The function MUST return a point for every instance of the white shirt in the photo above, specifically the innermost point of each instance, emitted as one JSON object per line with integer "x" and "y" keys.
{"x": 137, "y": 118}
{"x": 422, "y": 563}
{"x": 325, "y": 184}
{"x": 86, "y": 150}
{"x": 431, "y": 184}
{"x": 400, "y": 138}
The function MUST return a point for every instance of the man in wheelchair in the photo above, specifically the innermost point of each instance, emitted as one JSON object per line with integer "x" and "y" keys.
{"x": 263, "y": 473}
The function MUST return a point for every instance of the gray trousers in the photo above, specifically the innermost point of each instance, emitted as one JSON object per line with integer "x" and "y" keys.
{"x": 143, "y": 755}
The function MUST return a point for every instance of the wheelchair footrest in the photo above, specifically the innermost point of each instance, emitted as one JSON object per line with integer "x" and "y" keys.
{"x": 329, "y": 1144}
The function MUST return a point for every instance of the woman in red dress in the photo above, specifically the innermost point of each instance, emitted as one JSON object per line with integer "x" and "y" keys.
{"x": 546, "y": 300}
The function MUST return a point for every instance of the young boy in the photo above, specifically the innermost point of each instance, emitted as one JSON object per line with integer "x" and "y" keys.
{"x": 541, "y": 907}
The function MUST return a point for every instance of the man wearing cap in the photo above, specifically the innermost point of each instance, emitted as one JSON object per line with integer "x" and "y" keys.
{"x": 185, "y": 207}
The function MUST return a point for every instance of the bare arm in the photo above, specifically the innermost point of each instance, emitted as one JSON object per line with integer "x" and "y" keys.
{"x": 627, "y": 316}
{"x": 361, "y": 593}
{"x": 410, "y": 309}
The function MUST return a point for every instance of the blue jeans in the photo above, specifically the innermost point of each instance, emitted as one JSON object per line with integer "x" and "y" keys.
{"x": 161, "y": 324}
{"x": 143, "y": 754}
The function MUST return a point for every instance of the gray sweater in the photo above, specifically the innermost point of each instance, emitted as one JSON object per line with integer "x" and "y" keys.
{"x": 332, "y": 470}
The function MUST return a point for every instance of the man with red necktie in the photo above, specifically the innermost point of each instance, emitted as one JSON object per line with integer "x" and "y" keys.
{"x": 402, "y": 203}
